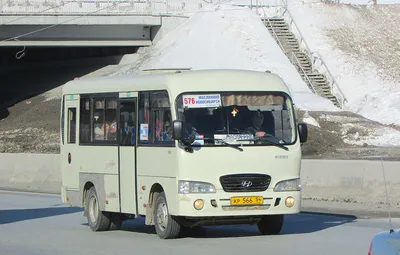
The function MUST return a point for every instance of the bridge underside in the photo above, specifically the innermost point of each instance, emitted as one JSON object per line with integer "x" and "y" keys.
{"x": 84, "y": 31}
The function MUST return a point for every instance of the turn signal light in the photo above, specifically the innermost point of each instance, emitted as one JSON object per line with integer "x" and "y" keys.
{"x": 198, "y": 204}
{"x": 289, "y": 202}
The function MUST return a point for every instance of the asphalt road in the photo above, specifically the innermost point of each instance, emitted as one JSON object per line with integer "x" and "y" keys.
{"x": 40, "y": 224}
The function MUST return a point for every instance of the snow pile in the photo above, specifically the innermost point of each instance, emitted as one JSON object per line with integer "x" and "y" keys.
{"x": 229, "y": 38}
{"x": 359, "y": 131}
{"x": 361, "y": 47}
{"x": 365, "y": 2}
{"x": 310, "y": 120}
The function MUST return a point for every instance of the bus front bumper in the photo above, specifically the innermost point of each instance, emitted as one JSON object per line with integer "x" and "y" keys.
{"x": 223, "y": 204}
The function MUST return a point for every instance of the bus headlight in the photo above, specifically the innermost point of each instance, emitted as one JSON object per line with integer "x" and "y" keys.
{"x": 288, "y": 185}
{"x": 185, "y": 187}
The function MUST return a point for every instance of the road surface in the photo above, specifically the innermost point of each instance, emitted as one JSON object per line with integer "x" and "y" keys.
{"x": 40, "y": 224}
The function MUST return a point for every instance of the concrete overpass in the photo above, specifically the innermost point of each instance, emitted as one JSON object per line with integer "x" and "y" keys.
{"x": 73, "y": 30}
{"x": 45, "y": 43}
{"x": 86, "y": 22}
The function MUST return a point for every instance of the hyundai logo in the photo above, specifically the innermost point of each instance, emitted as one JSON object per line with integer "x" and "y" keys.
{"x": 247, "y": 184}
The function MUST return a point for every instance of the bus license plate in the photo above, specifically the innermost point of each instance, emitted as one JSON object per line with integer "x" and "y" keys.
{"x": 247, "y": 200}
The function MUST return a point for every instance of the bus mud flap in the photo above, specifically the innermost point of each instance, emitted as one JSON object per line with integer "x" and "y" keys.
{"x": 149, "y": 209}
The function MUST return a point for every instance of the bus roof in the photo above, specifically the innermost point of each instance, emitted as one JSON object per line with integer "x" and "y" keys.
{"x": 178, "y": 82}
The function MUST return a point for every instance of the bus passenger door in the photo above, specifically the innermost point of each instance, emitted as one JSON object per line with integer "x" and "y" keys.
{"x": 127, "y": 152}
{"x": 69, "y": 148}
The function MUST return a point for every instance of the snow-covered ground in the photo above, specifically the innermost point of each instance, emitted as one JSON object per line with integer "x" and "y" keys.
{"x": 228, "y": 38}
{"x": 234, "y": 37}
{"x": 361, "y": 47}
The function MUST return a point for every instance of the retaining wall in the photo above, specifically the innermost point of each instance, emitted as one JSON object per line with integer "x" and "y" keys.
{"x": 358, "y": 181}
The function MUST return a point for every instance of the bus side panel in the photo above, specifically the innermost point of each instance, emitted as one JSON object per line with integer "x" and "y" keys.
{"x": 170, "y": 190}
{"x": 101, "y": 163}
{"x": 157, "y": 165}
{"x": 106, "y": 185}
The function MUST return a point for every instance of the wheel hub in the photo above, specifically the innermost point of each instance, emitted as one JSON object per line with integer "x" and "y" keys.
{"x": 162, "y": 216}
{"x": 93, "y": 209}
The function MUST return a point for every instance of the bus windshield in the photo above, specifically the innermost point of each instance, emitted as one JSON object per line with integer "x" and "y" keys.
{"x": 257, "y": 118}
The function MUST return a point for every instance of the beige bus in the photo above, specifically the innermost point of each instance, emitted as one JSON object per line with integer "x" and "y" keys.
{"x": 182, "y": 149}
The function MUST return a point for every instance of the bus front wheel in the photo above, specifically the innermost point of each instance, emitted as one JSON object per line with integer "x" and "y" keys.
{"x": 270, "y": 224}
{"x": 166, "y": 227}
{"x": 97, "y": 220}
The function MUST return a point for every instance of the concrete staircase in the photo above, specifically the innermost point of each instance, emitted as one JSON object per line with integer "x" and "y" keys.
{"x": 317, "y": 82}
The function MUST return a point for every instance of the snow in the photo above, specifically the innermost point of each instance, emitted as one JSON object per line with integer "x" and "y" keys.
{"x": 310, "y": 120}
{"x": 357, "y": 130}
{"x": 350, "y": 42}
{"x": 229, "y": 38}
{"x": 352, "y": 39}
{"x": 368, "y": 2}
{"x": 234, "y": 37}
{"x": 377, "y": 137}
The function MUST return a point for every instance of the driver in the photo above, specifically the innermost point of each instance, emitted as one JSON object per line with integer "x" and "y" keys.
{"x": 258, "y": 120}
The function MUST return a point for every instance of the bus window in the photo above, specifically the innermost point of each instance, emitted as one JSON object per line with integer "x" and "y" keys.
{"x": 84, "y": 134}
{"x": 162, "y": 126}
{"x": 155, "y": 118}
{"x": 71, "y": 125}
{"x": 105, "y": 119}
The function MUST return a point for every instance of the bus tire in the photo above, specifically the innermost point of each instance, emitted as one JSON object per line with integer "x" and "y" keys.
{"x": 166, "y": 227}
{"x": 271, "y": 224}
{"x": 97, "y": 220}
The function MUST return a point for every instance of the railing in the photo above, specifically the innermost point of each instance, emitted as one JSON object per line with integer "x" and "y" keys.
{"x": 316, "y": 59}
{"x": 273, "y": 31}
{"x": 115, "y": 7}
{"x": 322, "y": 68}
{"x": 294, "y": 59}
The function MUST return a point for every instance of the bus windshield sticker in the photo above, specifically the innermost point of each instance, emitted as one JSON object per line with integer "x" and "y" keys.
{"x": 199, "y": 140}
{"x": 202, "y": 101}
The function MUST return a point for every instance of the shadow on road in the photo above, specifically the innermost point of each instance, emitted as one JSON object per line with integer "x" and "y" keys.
{"x": 16, "y": 215}
{"x": 302, "y": 223}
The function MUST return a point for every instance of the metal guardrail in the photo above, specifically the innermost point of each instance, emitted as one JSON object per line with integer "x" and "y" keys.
{"x": 114, "y": 7}
{"x": 316, "y": 59}
{"x": 276, "y": 36}
{"x": 297, "y": 61}
{"x": 320, "y": 65}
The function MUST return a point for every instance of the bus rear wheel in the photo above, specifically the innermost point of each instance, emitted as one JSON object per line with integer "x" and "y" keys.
{"x": 271, "y": 224}
{"x": 166, "y": 227}
{"x": 97, "y": 220}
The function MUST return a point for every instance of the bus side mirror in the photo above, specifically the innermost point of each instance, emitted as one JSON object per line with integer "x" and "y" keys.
{"x": 177, "y": 130}
{"x": 303, "y": 132}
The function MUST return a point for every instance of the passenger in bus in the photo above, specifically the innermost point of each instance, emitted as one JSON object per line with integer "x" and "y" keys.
{"x": 112, "y": 130}
{"x": 167, "y": 131}
{"x": 255, "y": 129}
{"x": 164, "y": 129}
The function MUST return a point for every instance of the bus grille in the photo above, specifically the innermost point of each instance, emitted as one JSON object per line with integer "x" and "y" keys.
{"x": 245, "y": 182}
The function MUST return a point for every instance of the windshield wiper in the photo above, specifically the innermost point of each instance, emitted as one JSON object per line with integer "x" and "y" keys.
{"x": 235, "y": 146}
{"x": 269, "y": 142}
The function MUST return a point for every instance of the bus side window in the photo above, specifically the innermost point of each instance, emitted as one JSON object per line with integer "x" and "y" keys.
{"x": 144, "y": 125}
{"x": 71, "y": 125}
{"x": 162, "y": 126}
{"x": 155, "y": 118}
{"x": 84, "y": 133}
{"x": 105, "y": 119}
